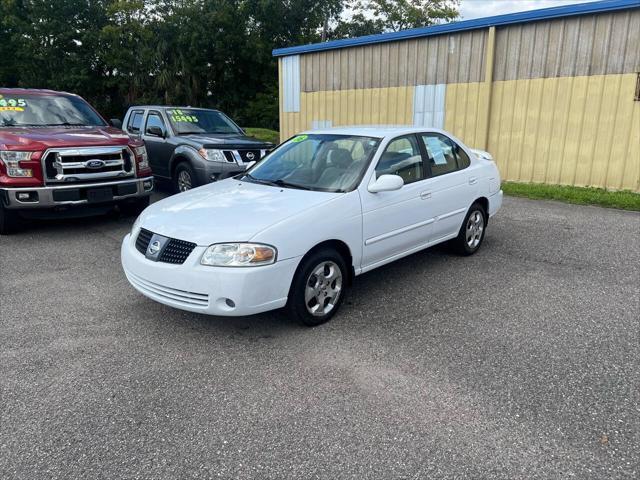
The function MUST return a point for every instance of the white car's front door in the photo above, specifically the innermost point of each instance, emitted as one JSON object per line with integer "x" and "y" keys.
{"x": 398, "y": 221}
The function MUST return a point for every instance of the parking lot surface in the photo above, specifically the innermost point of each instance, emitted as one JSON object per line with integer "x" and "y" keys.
{"x": 519, "y": 362}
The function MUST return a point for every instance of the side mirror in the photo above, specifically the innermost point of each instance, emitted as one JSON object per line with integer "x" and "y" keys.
{"x": 386, "y": 183}
{"x": 115, "y": 122}
{"x": 249, "y": 165}
{"x": 155, "y": 131}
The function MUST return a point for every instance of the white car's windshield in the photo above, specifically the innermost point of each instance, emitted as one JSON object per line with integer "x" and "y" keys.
{"x": 323, "y": 162}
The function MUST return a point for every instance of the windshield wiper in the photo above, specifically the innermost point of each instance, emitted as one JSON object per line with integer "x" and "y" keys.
{"x": 65, "y": 124}
{"x": 283, "y": 183}
{"x": 257, "y": 180}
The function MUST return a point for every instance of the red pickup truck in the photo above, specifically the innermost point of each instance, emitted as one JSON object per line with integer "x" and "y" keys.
{"x": 59, "y": 157}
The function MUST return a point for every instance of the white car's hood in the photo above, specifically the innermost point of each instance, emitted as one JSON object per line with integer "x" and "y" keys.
{"x": 227, "y": 211}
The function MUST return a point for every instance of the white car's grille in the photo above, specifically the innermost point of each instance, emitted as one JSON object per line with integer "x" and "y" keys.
{"x": 183, "y": 297}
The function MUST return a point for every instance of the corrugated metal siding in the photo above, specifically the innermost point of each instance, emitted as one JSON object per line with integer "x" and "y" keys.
{"x": 452, "y": 58}
{"x": 582, "y": 131}
{"x": 428, "y": 105}
{"x": 371, "y": 106}
{"x": 291, "y": 83}
{"x": 577, "y": 46}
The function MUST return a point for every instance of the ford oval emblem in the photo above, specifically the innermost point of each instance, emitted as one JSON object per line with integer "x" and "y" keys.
{"x": 94, "y": 164}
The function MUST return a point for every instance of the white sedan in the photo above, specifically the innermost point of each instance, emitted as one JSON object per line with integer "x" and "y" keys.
{"x": 322, "y": 208}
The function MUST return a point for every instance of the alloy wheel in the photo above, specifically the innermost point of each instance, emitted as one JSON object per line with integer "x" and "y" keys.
{"x": 475, "y": 227}
{"x": 323, "y": 289}
{"x": 184, "y": 181}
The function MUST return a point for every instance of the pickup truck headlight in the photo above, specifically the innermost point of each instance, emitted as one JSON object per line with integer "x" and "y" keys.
{"x": 12, "y": 160}
{"x": 141, "y": 153}
{"x": 212, "y": 154}
{"x": 238, "y": 255}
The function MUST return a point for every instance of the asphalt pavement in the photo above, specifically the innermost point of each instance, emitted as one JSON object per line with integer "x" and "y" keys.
{"x": 522, "y": 361}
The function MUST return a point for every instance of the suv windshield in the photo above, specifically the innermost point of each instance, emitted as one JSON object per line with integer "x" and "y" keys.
{"x": 185, "y": 121}
{"x": 324, "y": 162}
{"x": 46, "y": 110}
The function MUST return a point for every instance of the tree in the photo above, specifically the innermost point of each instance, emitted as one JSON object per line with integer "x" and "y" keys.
{"x": 378, "y": 16}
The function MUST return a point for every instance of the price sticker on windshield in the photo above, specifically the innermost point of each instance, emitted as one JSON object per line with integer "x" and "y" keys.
{"x": 180, "y": 116}
{"x": 12, "y": 104}
{"x": 300, "y": 138}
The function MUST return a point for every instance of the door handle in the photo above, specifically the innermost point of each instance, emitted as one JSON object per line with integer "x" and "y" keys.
{"x": 473, "y": 180}
{"x": 425, "y": 195}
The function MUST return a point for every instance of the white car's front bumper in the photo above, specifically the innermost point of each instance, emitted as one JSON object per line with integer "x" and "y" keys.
{"x": 212, "y": 290}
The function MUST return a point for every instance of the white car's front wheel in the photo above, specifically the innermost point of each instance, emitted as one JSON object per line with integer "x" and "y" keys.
{"x": 318, "y": 288}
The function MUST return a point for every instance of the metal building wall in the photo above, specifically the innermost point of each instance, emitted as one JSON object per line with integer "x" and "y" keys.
{"x": 552, "y": 100}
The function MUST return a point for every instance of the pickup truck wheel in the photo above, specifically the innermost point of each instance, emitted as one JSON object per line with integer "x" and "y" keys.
{"x": 318, "y": 288}
{"x": 184, "y": 178}
{"x": 472, "y": 231}
{"x": 9, "y": 221}
{"x": 134, "y": 207}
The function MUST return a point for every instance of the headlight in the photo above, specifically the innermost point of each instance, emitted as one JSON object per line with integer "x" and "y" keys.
{"x": 212, "y": 154}
{"x": 238, "y": 255}
{"x": 12, "y": 160}
{"x": 141, "y": 153}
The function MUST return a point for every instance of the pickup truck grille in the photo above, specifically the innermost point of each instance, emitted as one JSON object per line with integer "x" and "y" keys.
{"x": 175, "y": 252}
{"x": 71, "y": 165}
{"x": 245, "y": 156}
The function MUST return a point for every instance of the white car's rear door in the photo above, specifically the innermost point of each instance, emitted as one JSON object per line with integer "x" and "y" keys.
{"x": 453, "y": 184}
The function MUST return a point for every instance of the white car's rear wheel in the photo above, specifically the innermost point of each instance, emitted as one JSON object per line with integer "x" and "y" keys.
{"x": 318, "y": 288}
{"x": 472, "y": 231}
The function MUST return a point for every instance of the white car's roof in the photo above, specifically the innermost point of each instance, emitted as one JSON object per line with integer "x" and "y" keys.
{"x": 378, "y": 131}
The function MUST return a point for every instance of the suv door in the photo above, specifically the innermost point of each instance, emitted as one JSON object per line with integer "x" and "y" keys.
{"x": 133, "y": 124}
{"x": 397, "y": 221}
{"x": 452, "y": 185}
{"x": 158, "y": 148}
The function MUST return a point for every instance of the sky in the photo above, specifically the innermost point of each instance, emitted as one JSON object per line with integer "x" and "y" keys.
{"x": 487, "y": 8}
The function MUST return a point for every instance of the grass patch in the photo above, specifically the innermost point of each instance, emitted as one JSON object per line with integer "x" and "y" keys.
{"x": 264, "y": 134}
{"x": 625, "y": 200}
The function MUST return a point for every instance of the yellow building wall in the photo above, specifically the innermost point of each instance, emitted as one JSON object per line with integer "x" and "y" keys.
{"x": 366, "y": 106}
{"x": 582, "y": 131}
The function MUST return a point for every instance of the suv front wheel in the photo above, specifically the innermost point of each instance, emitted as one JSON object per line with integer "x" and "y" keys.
{"x": 184, "y": 178}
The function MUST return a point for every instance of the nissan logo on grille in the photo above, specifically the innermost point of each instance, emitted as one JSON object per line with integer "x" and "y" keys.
{"x": 250, "y": 155}
{"x": 94, "y": 164}
{"x": 154, "y": 247}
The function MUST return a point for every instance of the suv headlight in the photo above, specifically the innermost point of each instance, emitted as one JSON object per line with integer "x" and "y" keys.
{"x": 141, "y": 153}
{"x": 212, "y": 154}
{"x": 12, "y": 160}
{"x": 238, "y": 255}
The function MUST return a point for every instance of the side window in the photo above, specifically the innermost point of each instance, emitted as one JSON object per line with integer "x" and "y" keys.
{"x": 463, "y": 158}
{"x": 402, "y": 157}
{"x": 154, "y": 120}
{"x": 135, "y": 121}
{"x": 441, "y": 153}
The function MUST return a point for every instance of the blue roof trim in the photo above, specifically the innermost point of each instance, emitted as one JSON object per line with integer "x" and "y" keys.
{"x": 510, "y": 18}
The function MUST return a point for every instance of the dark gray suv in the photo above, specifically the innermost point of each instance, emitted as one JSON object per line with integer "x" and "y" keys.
{"x": 192, "y": 146}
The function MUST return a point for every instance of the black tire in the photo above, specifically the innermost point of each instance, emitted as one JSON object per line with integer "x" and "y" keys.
{"x": 469, "y": 242}
{"x": 183, "y": 171}
{"x": 297, "y": 304}
{"x": 134, "y": 207}
{"x": 10, "y": 221}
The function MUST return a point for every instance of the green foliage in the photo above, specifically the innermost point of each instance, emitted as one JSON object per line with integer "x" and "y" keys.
{"x": 625, "y": 200}
{"x": 264, "y": 134}
{"x": 378, "y": 16}
{"x": 207, "y": 53}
